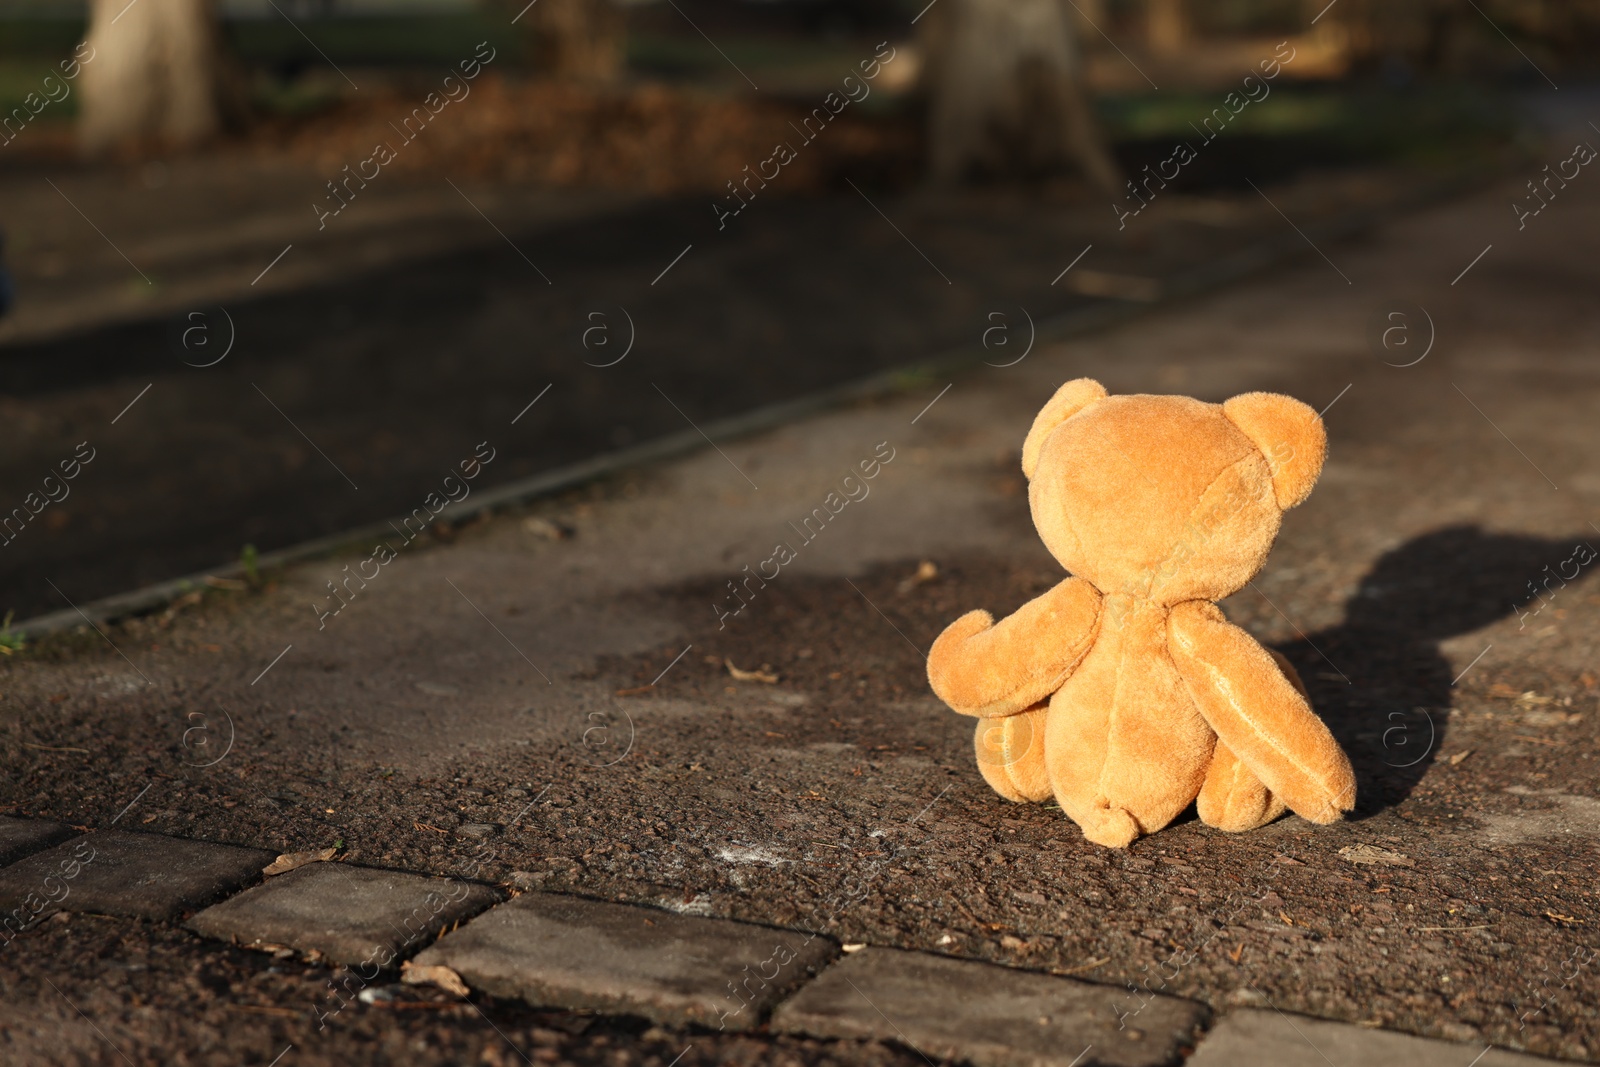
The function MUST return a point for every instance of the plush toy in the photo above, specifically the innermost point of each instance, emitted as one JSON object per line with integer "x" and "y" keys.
{"x": 1123, "y": 690}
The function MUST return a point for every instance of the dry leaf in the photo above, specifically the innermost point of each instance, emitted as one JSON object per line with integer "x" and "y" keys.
{"x": 290, "y": 860}
{"x": 550, "y": 531}
{"x": 443, "y": 977}
{"x": 1088, "y": 282}
{"x": 1372, "y": 854}
{"x": 750, "y": 676}
{"x": 1550, "y": 718}
{"x": 1087, "y": 965}
{"x": 927, "y": 571}
{"x": 282, "y": 952}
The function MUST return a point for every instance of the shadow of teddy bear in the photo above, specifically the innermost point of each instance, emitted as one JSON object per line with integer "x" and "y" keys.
{"x": 1392, "y": 714}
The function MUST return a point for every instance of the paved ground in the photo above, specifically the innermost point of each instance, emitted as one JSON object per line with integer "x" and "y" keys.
{"x": 334, "y": 390}
{"x": 497, "y": 691}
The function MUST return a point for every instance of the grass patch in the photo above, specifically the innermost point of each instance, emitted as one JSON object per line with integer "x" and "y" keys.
{"x": 389, "y": 41}
{"x": 1361, "y": 121}
{"x": 18, "y": 78}
{"x": 10, "y": 640}
{"x": 44, "y": 39}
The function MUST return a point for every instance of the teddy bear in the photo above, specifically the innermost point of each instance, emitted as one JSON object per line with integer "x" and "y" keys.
{"x": 1123, "y": 691}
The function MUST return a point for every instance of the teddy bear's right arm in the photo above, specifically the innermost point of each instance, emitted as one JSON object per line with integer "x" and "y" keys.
{"x": 981, "y": 667}
{"x": 1259, "y": 713}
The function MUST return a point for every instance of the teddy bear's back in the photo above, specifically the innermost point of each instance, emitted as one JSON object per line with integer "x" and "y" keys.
{"x": 1125, "y": 705}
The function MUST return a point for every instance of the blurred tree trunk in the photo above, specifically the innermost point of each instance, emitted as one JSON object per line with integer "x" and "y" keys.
{"x": 157, "y": 75}
{"x": 1006, "y": 94}
{"x": 1166, "y": 26}
{"x": 578, "y": 40}
{"x": 1430, "y": 36}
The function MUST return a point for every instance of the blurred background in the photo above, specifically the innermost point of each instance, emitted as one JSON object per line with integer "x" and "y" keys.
{"x": 282, "y": 264}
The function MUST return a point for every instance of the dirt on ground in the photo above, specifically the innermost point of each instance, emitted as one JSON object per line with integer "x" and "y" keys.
{"x": 650, "y": 137}
{"x": 836, "y": 798}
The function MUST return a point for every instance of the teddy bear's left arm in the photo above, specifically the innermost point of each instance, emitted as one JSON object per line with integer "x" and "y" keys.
{"x": 1246, "y": 698}
{"x": 980, "y": 667}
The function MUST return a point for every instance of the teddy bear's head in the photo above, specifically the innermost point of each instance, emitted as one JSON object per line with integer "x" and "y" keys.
{"x": 1167, "y": 498}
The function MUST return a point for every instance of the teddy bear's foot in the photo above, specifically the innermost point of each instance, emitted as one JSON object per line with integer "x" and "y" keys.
{"x": 1107, "y": 825}
{"x": 1011, "y": 755}
{"x": 1233, "y": 798}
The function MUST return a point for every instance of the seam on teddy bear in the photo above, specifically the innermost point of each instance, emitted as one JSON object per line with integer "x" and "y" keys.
{"x": 1072, "y": 529}
{"x": 1186, "y": 520}
{"x": 1166, "y": 651}
{"x": 1111, "y": 732}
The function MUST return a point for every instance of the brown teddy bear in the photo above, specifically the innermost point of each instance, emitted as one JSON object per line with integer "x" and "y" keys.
{"x": 1123, "y": 690}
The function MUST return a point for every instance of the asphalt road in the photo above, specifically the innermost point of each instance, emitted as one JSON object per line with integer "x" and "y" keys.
{"x": 373, "y": 356}
{"x": 588, "y": 677}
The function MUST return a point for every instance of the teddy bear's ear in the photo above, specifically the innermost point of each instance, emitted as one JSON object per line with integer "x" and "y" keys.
{"x": 1068, "y": 401}
{"x": 1289, "y": 434}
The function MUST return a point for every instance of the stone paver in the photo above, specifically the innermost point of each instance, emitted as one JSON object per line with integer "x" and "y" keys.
{"x": 345, "y": 914}
{"x": 21, "y": 837}
{"x": 138, "y": 876}
{"x": 1274, "y": 1039}
{"x": 560, "y": 951}
{"x": 990, "y": 1016}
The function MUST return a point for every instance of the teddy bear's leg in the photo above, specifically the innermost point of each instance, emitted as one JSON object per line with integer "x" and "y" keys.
{"x": 1011, "y": 754}
{"x": 1077, "y": 745}
{"x": 1249, "y": 700}
{"x": 1232, "y": 797}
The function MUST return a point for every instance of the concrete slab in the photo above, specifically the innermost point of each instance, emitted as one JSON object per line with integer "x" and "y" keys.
{"x": 560, "y": 951}
{"x": 1274, "y": 1039}
{"x": 21, "y": 837}
{"x": 139, "y": 876}
{"x": 986, "y": 1015}
{"x": 345, "y": 914}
